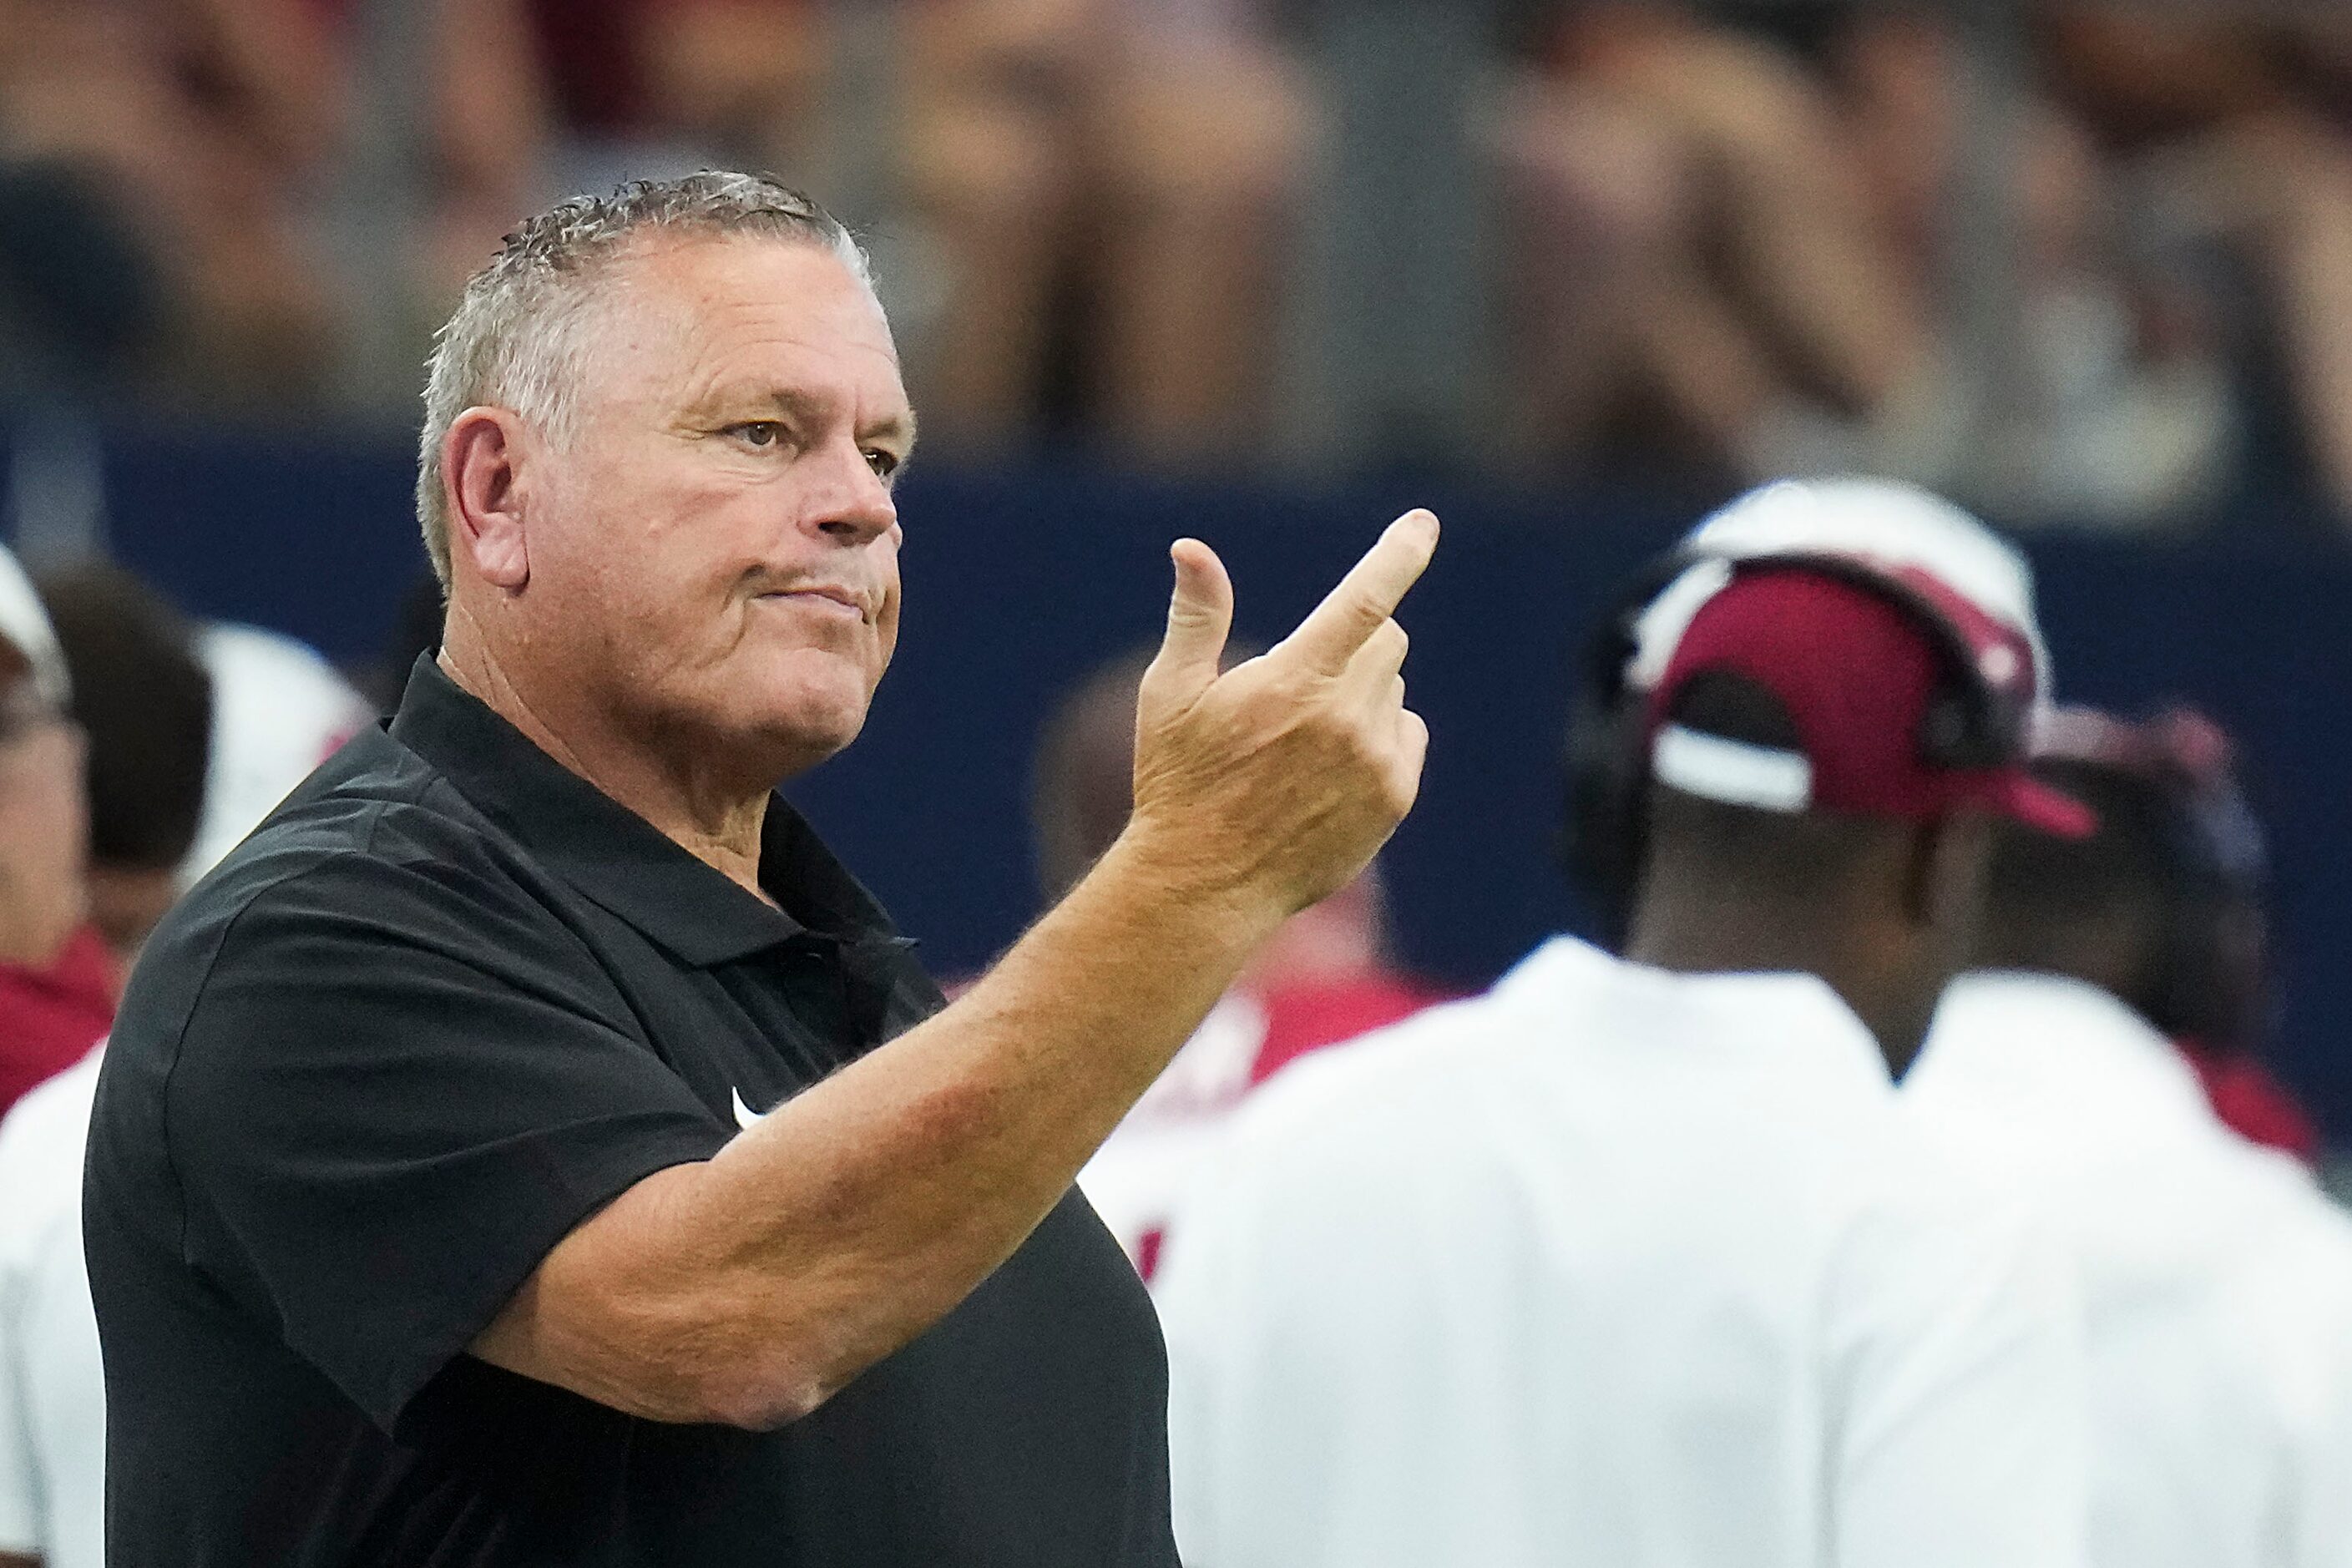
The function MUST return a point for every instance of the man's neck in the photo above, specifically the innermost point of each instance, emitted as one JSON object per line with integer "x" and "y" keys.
{"x": 715, "y": 818}
{"x": 1720, "y": 934}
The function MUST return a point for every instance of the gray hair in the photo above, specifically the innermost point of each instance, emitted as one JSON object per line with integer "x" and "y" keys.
{"x": 515, "y": 340}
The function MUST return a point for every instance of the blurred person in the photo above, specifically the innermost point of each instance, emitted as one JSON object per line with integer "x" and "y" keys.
{"x": 2212, "y": 864}
{"x": 2231, "y": 135}
{"x": 1104, "y": 183}
{"x": 145, "y": 702}
{"x": 195, "y": 119}
{"x": 2126, "y": 414}
{"x": 57, "y": 978}
{"x": 1888, "y": 526}
{"x": 1723, "y": 265}
{"x": 1323, "y": 978}
{"x": 278, "y": 710}
{"x": 489, "y": 129}
{"x": 1743, "y": 227}
{"x": 1632, "y": 1260}
{"x": 2217, "y": 1278}
{"x": 531, "y": 1145}
{"x": 213, "y": 127}
{"x": 2217, "y": 1004}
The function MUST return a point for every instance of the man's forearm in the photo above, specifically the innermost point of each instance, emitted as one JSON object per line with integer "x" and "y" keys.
{"x": 749, "y": 1287}
{"x": 860, "y": 1211}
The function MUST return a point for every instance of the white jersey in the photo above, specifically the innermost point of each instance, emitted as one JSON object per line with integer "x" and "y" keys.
{"x": 1140, "y": 1173}
{"x": 2216, "y": 1279}
{"x": 52, "y": 1388}
{"x": 1613, "y": 1267}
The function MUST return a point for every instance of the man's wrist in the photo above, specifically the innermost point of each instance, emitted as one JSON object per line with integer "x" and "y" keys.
{"x": 1179, "y": 885}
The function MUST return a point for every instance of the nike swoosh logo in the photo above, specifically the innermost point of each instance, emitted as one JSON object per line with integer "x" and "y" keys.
{"x": 745, "y": 1117}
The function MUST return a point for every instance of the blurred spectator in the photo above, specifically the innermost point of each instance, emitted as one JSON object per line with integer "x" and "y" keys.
{"x": 487, "y": 130}
{"x": 58, "y": 980}
{"x": 186, "y": 143}
{"x": 79, "y": 300}
{"x": 2122, "y": 403}
{"x": 2227, "y": 135}
{"x": 228, "y": 717}
{"x": 2195, "y": 863}
{"x": 1325, "y": 977}
{"x": 1100, "y": 187}
{"x": 194, "y": 120}
{"x": 1724, "y": 267}
{"x": 145, "y": 705}
{"x": 2217, "y": 1278}
{"x": 1741, "y": 234}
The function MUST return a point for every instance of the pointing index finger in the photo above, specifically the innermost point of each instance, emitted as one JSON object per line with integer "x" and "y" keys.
{"x": 1368, "y": 594}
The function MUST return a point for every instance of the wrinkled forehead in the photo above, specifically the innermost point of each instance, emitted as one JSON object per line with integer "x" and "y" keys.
{"x": 676, "y": 316}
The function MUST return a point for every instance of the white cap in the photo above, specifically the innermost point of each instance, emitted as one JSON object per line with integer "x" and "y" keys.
{"x": 1878, "y": 521}
{"x": 25, "y": 624}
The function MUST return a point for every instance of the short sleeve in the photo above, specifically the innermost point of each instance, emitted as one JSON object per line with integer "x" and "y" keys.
{"x": 398, "y": 1087}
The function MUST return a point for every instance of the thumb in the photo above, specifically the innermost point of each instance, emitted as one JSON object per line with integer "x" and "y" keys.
{"x": 1200, "y": 614}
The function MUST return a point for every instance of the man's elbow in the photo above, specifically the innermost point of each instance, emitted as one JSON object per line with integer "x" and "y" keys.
{"x": 687, "y": 1364}
{"x": 656, "y": 1383}
{"x": 759, "y": 1403}
{"x": 732, "y": 1372}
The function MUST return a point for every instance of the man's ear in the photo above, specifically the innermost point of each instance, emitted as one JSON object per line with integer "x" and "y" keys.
{"x": 482, "y": 461}
{"x": 1949, "y": 856}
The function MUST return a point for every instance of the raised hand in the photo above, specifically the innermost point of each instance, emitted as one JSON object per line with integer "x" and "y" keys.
{"x": 1278, "y": 780}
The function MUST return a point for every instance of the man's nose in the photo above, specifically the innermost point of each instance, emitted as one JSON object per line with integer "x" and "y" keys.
{"x": 851, "y": 503}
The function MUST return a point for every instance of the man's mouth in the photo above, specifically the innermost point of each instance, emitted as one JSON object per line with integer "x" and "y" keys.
{"x": 826, "y": 600}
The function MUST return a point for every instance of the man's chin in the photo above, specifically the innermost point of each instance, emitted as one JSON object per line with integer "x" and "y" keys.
{"x": 775, "y": 721}
{"x": 808, "y": 726}
{"x": 799, "y": 743}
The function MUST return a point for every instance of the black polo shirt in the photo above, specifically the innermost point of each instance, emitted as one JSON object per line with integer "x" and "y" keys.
{"x": 444, "y": 1004}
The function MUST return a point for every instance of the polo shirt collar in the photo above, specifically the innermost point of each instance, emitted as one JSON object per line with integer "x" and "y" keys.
{"x": 620, "y": 860}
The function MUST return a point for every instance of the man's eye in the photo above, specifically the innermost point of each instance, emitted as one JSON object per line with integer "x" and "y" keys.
{"x": 884, "y": 464}
{"x": 758, "y": 432}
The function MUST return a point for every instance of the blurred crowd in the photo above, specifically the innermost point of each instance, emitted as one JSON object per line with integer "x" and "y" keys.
{"x": 1728, "y": 239}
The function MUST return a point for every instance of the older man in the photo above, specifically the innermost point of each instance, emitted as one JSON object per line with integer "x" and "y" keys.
{"x": 500, "y": 1159}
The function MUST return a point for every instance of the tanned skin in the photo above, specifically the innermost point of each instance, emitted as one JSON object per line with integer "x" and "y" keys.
{"x": 694, "y": 597}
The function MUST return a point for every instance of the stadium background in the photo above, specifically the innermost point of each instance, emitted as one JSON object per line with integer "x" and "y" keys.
{"x": 1029, "y": 562}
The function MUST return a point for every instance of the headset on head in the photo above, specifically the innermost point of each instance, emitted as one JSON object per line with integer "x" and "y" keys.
{"x": 2204, "y": 984}
{"x": 1977, "y": 719}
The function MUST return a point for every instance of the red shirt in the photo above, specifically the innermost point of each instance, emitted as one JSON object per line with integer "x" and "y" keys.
{"x": 50, "y": 1018}
{"x": 1302, "y": 1018}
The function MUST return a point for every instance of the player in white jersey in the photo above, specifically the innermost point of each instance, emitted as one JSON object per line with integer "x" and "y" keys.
{"x": 277, "y": 709}
{"x": 2216, "y": 1277}
{"x": 1631, "y": 1261}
